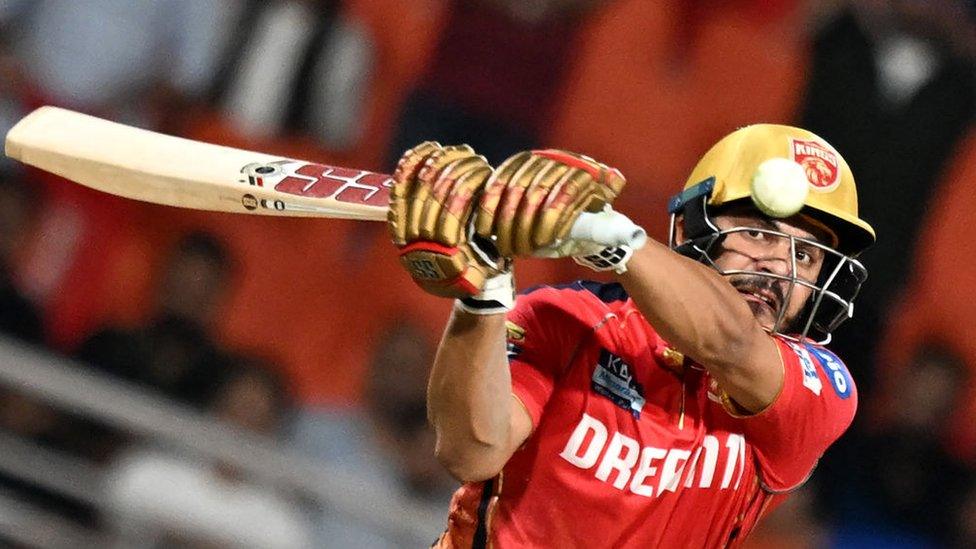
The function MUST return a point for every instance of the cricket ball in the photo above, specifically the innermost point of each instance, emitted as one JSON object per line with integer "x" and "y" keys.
{"x": 779, "y": 187}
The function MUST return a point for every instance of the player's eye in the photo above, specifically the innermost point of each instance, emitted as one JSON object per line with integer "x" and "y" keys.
{"x": 808, "y": 256}
{"x": 756, "y": 235}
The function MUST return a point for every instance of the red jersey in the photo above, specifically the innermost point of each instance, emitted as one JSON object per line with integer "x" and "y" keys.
{"x": 633, "y": 444}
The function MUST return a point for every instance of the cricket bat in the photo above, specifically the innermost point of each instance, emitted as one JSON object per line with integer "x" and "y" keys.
{"x": 162, "y": 169}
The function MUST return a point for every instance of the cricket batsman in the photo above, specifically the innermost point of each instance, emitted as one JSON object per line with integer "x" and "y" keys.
{"x": 672, "y": 408}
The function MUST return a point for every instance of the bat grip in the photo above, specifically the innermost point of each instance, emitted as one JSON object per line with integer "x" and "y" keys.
{"x": 608, "y": 228}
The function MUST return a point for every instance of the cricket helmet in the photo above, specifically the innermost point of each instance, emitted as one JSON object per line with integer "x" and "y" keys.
{"x": 723, "y": 177}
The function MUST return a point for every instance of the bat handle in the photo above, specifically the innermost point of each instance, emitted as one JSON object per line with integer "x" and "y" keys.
{"x": 608, "y": 228}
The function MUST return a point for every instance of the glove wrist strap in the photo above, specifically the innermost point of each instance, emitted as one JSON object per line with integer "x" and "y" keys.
{"x": 608, "y": 259}
{"x": 497, "y": 297}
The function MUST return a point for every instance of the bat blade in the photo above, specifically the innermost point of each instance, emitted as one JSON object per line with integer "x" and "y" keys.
{"x": 162, "y": 169}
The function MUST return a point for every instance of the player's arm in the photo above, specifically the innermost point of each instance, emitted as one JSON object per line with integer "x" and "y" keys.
{"x": 692, "y": 306}
{"x": 702, "y": 315}
{"x": 478, "y": 422}
{"x": 529, "y": 203}
{"x": 458, "y": 224}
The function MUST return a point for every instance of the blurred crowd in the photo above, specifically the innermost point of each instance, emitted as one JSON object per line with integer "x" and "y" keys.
{"x": 306, "y": 331}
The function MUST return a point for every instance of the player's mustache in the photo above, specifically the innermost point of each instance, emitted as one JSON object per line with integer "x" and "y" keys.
{"x": 747, "y": 283}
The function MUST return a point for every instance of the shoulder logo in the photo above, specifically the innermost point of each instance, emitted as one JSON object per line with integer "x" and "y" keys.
{"x": 810, "y": 378}
{"x": 820, "y": 163}
{"x": 836, "y": 372}
{"x": 614, "y": 379}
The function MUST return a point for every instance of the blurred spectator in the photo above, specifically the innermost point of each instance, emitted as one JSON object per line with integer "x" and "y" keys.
{"x": 161, "y": 499}
{"x": 19, "y": 317}
{"x": 21, "y": 415}
{"x": 144, "y": 63}
{"x": 965, "y": 519}
{"x": 12, "y": 85}
{"x": 656, "y": 82}
{"x": 495, "y": 77}
{"x": 174, "y": 352}
{"x": 296, "y": 66}
{"x": 909, "y": 485}
{"x": 390, "y": 442}
{"x": 892, "y": 84}
{"x": 396, "y": 398}
{"x": 252, "y": 395}
{"x": 109, "y": 56}
{"x": 35, "y": 422}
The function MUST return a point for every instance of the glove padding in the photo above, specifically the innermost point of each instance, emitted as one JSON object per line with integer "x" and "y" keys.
{"x": 533, "y": 199}
{"x": 430, "y": 206}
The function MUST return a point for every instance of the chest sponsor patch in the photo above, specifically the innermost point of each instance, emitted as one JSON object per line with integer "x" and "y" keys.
{"x": 810, "y": 378}
{"x": 836, "y": 372}
{"x": 613, "y": 378}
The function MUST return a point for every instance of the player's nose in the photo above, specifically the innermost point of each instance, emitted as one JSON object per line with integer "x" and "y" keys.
{"x": 776, "y": 259}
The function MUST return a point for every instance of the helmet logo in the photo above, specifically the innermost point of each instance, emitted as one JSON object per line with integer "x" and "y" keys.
{"x": 819, "y": 163}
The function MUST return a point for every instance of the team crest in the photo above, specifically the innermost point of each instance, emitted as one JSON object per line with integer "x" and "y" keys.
{"x": 820, "y": 163}
{"x": 614, "y": 379}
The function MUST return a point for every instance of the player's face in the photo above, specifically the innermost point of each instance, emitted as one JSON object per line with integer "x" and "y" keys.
{"x": 754, "y": 249}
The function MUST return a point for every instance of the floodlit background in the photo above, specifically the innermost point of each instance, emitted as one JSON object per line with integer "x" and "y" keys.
{"x": 184, "y": 379}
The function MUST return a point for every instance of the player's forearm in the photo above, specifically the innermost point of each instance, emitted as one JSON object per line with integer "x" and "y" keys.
{"x": 690, "y": 306}
{"x": 469, "y": 396}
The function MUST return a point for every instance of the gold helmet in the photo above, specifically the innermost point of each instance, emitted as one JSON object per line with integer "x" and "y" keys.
{"x": 832, "y": 199}
{"x": 724, "y": 175}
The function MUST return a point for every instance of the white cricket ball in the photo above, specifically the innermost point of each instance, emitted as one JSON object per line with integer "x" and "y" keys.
{"x": 779, "y": 187}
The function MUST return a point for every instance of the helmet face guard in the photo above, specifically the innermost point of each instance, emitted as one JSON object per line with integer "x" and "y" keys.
{"x": 832, "y": 293}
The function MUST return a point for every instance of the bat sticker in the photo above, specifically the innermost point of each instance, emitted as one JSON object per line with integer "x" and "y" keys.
{"x": 320, "y": 181}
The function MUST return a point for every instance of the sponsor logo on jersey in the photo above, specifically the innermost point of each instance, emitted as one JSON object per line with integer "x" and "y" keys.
{"x": 820, "y": 163}
{"x": 836, "y": 372}
{"x": 810, "y": 378}
{"x": 717, "y": 462}
{"x": 614, "y": 379}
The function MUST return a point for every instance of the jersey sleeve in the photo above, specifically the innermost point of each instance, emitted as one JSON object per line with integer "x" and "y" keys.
{"x": 542, "y": 335}
{"x": 814, "y": 408}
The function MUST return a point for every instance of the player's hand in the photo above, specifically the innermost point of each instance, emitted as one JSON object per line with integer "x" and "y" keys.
{"x": 532, "y": 200}
{"x": 430, "y": 208}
